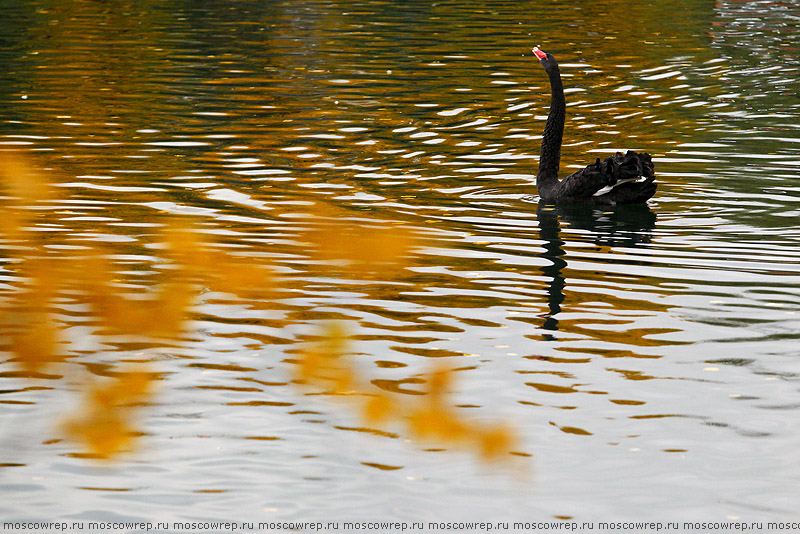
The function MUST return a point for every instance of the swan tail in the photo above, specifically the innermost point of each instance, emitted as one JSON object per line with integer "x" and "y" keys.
{"x": 627, "y": 167}
{"x": 619, "y": 179}
{"x": 630, "y": 179}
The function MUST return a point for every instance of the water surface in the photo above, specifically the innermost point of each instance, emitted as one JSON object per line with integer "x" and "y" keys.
{"x": 647, "y": 355}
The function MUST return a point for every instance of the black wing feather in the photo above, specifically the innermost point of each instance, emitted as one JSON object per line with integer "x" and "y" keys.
{"x": 617, "y": 168}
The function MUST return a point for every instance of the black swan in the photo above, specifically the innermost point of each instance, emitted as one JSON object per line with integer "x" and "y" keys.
{"x": 620, "y": 179}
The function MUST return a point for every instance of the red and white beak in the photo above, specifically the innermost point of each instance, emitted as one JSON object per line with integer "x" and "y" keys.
{"x": 539, "y": 54}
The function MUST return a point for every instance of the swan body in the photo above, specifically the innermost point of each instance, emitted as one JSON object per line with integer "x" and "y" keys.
{"x": 619, "y": 179}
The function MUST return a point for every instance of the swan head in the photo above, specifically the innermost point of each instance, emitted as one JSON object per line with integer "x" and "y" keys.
{"x": 547, "y": 60}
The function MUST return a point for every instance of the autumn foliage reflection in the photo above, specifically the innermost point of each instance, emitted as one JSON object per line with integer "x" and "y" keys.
{"x": 43, "y": 278}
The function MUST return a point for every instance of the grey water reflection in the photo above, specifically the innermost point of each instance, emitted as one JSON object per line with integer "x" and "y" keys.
{"x": 649, "y": 357}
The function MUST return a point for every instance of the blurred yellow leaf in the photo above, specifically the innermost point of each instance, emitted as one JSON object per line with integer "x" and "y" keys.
{"x": 324, "y": 364}
{"x": 168, "y": 316}
{"x": 105, "y": 434}
{"x": 496, "y": 442}
{"x": 36, "y": 344}
{"x": 27, "y": 317}
{"x": 129, "y": 387}
{"x": 378, "y": 409}
{"x": 234, "y": 276}
{"x": 434, "y": 422}
{"x": 362, "y": 248}
{"x": 184, "y": 247}
{"x": 104, "y": 423}
{"x": 20, "y": 188}
{"x": 438, "y": 383}
{"x": 20, "y": 183}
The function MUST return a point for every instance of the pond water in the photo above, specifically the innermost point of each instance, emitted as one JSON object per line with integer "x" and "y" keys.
{"x": 648, "y": 357}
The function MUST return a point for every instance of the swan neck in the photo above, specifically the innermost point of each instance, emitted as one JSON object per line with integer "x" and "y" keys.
{"x": 553, "y": 131}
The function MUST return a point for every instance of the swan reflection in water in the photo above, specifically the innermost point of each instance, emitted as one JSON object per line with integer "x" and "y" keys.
{"x": 620, "y": 226}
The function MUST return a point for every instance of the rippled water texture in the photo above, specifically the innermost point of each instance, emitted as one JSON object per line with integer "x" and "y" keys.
{"x": 647, "y": 356}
